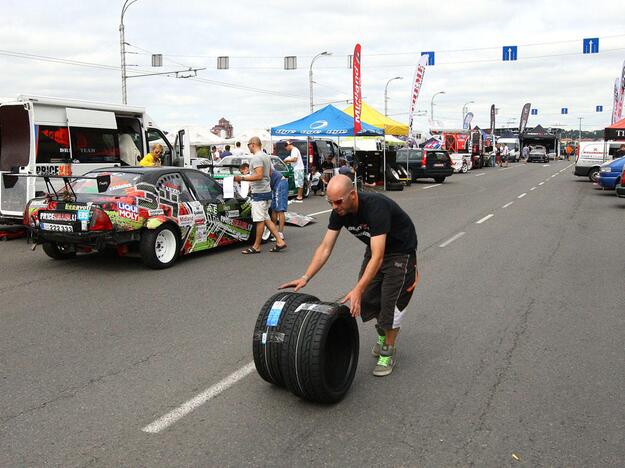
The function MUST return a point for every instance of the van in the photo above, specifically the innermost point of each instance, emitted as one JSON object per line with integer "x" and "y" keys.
{"x": 52, "y": 136}
{"x": 514, "y": 147}
{"x": 591, "y": 155}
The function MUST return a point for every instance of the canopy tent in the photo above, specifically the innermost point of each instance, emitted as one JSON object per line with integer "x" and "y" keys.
{"x": 373, "y": 117}
{"x": 539, "y": 136}
{"x": 326, "y": 122}
{"x": 616, "y": 131}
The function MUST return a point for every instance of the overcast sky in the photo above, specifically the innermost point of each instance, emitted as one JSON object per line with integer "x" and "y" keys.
{"x": 551, "y": 72}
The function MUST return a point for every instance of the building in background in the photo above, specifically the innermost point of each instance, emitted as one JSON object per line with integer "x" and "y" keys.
{"x": 223, "y": 128}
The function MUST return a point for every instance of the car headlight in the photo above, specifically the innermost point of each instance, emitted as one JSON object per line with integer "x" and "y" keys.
{"x": 606, "y": 169}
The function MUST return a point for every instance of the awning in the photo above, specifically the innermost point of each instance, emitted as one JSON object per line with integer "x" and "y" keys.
{"x": 377, "y": 119}
{"x": 615, "y": 131}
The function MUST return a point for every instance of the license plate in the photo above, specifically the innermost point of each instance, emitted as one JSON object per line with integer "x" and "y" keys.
{"x": 56, "y": 227}
{"x": 439, "y": 165}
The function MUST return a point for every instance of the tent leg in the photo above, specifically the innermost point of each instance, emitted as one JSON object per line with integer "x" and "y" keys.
{"x": 384, "y": 155}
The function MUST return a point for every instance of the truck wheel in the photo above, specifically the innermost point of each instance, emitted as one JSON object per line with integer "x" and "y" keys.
{"x": 320, "y": 352}
{"x": 59, "y": 251}
{"x": 269, "y": 333}
{"x": 593, "y": 174}
{"x": 159, "y": 248}
{"x": 439, "y": 180}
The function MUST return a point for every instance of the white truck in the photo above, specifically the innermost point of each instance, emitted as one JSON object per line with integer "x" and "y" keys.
{"x": 591, "y": 155}
{"x": 53, "y": 136}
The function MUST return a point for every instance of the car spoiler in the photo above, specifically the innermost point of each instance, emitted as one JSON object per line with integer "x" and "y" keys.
{"x": 102, "y": 181}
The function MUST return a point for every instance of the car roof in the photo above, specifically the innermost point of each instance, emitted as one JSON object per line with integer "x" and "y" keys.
{"x": 150, "y": 174}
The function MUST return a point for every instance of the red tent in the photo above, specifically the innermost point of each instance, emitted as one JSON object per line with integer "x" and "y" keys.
{"x": 616, "y": 131}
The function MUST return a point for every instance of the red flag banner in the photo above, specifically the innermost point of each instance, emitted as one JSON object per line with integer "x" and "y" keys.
{"x": 357, "y": 90}
{"x": 416, "y": 88}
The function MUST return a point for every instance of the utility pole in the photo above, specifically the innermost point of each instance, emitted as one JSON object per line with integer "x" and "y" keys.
{"x": 432, "y": 104}
{"x": 310, "y": 77}
{"x": 122, "y": 47}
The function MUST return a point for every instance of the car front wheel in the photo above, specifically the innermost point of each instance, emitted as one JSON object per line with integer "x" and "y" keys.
{"x": 593, "y": 174}
{"x": 159, "y": 247}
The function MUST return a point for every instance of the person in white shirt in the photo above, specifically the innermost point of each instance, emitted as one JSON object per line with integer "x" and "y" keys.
{"x": 238, "y": 151}
{"x": 298, "y": 169}
{"x": 505, "y": 154}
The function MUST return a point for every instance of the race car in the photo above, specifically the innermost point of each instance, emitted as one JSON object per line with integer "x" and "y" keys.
{"x": 163, "y": 212}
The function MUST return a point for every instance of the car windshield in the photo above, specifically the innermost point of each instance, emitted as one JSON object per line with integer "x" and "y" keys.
{"x": 120, "y": 182}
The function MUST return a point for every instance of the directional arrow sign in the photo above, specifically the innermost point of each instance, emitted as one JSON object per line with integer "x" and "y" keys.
{"x": 509, "y": 53}
{"x": 565, "y": 110}
{"x": 599, "y": 108}
{"x": 430, "y": 57}
{"x": 534, "y": 112}
{"x": 590, "y": 45}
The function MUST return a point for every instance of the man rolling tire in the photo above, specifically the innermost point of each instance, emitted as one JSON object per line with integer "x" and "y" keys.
{"x": 388, "y": 274}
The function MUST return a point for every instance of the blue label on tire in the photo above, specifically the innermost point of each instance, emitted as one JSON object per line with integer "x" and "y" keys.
{"x": 274, "y": 313}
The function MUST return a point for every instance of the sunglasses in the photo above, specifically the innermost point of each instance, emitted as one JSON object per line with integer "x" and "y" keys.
{"x": 338, "y": 201}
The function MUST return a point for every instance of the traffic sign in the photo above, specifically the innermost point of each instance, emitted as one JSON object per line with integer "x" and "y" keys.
{"x": 509, "y": 53}
{"x": 534, "y": 112}
{"x": 599, "y": 109}
{"x": 430, "y": 57}
{"x": 565, "y": 110}
{"x": 590, "y": 45}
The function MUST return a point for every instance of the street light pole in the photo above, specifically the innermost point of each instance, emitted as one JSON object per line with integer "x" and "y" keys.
{"x": 580, "y": 132}
{"x": 386, "y": 94}
{"x": 122, "y": 47}
{"x": 432, "y": 104}
{"x": 310, "y": 77}
{"x": 464, "y": 111}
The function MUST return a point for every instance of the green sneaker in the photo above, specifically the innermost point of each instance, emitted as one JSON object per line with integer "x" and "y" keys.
{"x": 386, "y": 361}
{"x": 375, "y": 352}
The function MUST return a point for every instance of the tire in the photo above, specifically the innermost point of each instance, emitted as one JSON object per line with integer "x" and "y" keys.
{"x": 465, "y": 168}
{"x": 320, "y": 353}
{"x": 593, "y": 174}
{"x": 306, "y": 193}
{"x": 404, "y": 174}
{"x": 267, "y": 356}
{"x": 394, "y": 186}
{"x": 391, "y": 174}
{"x": 59, "y": 251}
{"x": 439, "y": 180}
{"x": 159, "y": 248}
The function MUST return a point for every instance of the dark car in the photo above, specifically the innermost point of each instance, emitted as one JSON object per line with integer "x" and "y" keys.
{"x": 163, "y": 212}
{"x": 538, "y": 153}
{"x": 313, "y": 151}
{"x": 425, "y": 163}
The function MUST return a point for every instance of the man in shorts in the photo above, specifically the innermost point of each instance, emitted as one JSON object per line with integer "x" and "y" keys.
{"x": 388, "y": 275}
{"x": 298, "y": 169}
{"x": 260, "y": 166}
{"x": 279, "y": 201}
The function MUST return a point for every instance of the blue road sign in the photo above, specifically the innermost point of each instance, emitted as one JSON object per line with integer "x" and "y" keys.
{"x": 430, "y": 57}
{"x": 534, "y": 112}
{"x": 599, "y": 108}
{"x": 509, "y": 53}
{"x": 591, "y": 45}
{"x": 565, "y": 110}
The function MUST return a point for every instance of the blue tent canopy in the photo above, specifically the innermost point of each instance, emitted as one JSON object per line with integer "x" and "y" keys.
{"x": 326, "y": 122}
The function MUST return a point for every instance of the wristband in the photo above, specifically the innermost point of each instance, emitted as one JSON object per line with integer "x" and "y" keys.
{"x": 305, "y": 278}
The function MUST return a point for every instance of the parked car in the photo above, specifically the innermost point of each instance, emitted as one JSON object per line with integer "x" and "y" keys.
{"x": 538, "y": 153}
{"x": 426, "y": 163}
{"x": 461, "y": 162}
{"x": 162, "y": 212}
{"x": 610, "y": 173}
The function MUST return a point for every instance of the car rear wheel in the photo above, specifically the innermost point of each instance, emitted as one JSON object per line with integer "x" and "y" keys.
{"x": 160, "y": 247}
{"x": 439, "y": 180}
{"x": 593, "y": 174}
{"x": 59, "y": 251}
{"x": 465, "y": 168}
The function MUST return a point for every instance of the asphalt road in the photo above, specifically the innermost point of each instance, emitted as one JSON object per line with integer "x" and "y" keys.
{"x": 511, "y": 353}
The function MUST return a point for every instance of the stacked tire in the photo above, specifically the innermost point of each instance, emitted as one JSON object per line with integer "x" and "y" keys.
{"x": 306, "y": 345}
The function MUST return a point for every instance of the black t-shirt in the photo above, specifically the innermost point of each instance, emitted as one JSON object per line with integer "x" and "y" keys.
{"x": 327, "y": 164}
{"x": 378, "y": 214}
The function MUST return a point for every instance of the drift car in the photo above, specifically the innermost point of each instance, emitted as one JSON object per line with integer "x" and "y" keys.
{"x": 165, "y": 212}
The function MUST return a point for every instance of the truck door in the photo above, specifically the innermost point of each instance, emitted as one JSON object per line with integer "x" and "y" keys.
{"x": 16, "y": 148}
{"x": 154, "y": 136}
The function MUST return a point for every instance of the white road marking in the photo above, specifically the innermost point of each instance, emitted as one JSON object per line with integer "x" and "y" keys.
{"x": 533, "y": 188}
{"x": 481, "y": 173}
{"x": 170, "y": 418}
{"x": 430, "y": 186}
{"x": 554, "y": 176}
{"x": 522, "y": 195}
{"x": 454, "y": 238}
{"x": 541, "y": 183}
{"x": 319, "y": 212}
{"x": 545, "y": 165}
{"x": 485, "y": 218}
{"x": 507, "y": 204}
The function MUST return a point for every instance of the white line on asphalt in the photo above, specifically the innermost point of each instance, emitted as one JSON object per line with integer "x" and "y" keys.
{"x": 533, "y": 188}
{"x": 541, "y": 183}
{"x": 485, "y": 218}
{"x": 430, "y": 186}
{"x": 522, "y": 195}
{"x": 507, "y": 204}
{"x": 319, "y": 212}
{"x": 449, "y": 241}
{"x": 554, "y": 176}
{"x": 481, "y": 173}
{"x": 545, "y": 165}
{"x": 170, "y": 418}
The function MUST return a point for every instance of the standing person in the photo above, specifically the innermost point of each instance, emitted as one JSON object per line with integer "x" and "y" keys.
{"x": 498, "y": 155}
{"x": 327, "y": 168}
{"x": 505, "y": 154}
{"x": 279, "y": 200}
{"x": 238, "y": 151}
{"x": 568, "y": 150}
{"x": 346, "y": 169}
{"x": 260, "y": 165}
{"x": 215, "y": 154}
{"x": 153, "y": 158}
{"x": 295, "y": 159}
{"x": 388, "y": 275}
{"x": 526, "y": 152}
{"x": 225, "y": 152}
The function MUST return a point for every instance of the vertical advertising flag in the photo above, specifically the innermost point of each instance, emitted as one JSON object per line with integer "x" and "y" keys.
{"x": 492, "y": 119}
{"x": 525, "y": 113}
{"x": 357, "y": 90}
{"x": 616, "y": 101}
{"x": 466, "y": 124}
{"x": 416, "y": 88}
{"x": 621, "y": 96}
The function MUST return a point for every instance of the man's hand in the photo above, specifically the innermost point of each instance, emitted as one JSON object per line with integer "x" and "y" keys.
{"x": 298, "y": 284}
{"x": 237, "y": 178}
{"x": 354, "y": 297}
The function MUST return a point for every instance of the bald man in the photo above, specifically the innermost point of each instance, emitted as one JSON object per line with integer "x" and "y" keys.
{"x": 388, "y": 274}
